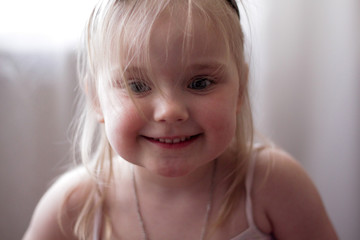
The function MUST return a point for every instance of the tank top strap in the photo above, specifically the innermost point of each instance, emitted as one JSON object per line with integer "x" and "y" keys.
{"x": 97, "y": 221}
{"x": 248, "y": 187}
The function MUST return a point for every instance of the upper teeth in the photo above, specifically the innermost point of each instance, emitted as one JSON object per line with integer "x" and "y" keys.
{"x": 173, "y": 140}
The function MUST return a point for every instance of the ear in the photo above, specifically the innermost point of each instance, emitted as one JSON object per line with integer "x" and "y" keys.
{"x": 94, "y": 104}
{"x": 243, "y": 91}
{"x": 99, "y": 114}
{"x": 96, "y": 107}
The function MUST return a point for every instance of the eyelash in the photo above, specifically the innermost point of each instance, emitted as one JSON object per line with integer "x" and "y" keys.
{"x": 139, "y": 87}
{"x": 198, "y": 84}
{"x": 201, "y": 79}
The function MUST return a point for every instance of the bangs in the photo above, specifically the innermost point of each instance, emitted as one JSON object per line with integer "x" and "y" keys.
{"x": 119, "y": 33}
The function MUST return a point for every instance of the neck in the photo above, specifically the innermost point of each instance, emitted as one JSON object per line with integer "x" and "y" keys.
{"x": 175, "y": 183}
{"x": 195, "y": 182}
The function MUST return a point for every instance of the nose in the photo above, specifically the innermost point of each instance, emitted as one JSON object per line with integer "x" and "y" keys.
{"x": 171, "y": 109}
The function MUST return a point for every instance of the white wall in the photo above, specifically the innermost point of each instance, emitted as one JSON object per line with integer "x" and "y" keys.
{"x": 36, "y": 104}
{"x": 306, "y": 67}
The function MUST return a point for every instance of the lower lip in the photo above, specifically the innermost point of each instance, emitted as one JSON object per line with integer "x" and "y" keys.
{"x": 173, "y": 145}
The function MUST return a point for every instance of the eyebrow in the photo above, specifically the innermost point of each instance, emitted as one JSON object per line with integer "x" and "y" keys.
{"x": 215, "y": 66}
{"x": 135, "y": 69}
{"x": 130, "y": 70}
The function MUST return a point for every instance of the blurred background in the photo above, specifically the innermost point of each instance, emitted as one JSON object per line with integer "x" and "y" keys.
{"x": 305, "y": 72}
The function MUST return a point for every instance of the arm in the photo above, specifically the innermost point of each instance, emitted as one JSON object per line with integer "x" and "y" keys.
{"x": 290, "y": 200}
{"x": 45, "y": 222}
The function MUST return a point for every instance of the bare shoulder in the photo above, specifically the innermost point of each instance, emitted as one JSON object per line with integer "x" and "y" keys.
{"x": 61, "y": 202}
{"x": 288, "y": 198}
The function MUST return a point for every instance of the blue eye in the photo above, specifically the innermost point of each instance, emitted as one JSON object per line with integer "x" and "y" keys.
{"x": 139, "y": 87}
{"x": 200, "y": 83}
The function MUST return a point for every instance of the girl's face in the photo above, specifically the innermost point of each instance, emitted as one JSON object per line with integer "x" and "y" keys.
{"x": 184, "y": 115}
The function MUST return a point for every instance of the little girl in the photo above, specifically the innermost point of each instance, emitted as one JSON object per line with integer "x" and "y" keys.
{"x": 167, "y": 140}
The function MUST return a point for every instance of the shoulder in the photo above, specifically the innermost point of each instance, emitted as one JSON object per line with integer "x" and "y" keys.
{"x": 288, "y": 198}
{"x": 61, "y": 203}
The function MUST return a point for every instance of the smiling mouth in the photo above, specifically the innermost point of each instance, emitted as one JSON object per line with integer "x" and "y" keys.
{"x": 173, "y": 140}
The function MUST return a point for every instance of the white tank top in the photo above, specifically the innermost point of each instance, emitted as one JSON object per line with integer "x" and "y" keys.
{"x": 251, "y": 233}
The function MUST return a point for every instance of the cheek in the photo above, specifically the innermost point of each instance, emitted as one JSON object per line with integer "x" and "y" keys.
{"x": 221, "y": 117}
{"x": 122, "y": 126}
{"x": 224, "y": 125}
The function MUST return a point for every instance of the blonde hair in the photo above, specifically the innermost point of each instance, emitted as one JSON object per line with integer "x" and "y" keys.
{"x": 107, "y": 42}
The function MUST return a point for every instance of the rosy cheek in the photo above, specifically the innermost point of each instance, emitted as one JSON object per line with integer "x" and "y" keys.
{"x": 127, "y": 123}
{"x": 224, "y": 119}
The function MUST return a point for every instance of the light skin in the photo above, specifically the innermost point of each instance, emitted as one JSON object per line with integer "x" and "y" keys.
{"x": 194, "y": 109}
{"x": 195, "y": 105}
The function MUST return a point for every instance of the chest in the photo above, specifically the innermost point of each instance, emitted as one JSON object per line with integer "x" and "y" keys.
{"x": 178, "y": 219}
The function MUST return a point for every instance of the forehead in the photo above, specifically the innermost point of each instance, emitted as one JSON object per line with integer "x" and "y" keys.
{"x": 185, "y": 39}
{"x": 177, "y": 39}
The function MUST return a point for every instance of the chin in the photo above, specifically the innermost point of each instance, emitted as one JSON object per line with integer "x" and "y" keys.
{"x": 173, "y": 171}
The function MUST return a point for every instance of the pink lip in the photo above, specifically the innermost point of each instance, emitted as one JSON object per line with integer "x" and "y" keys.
{"x": 172, "y": 142}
